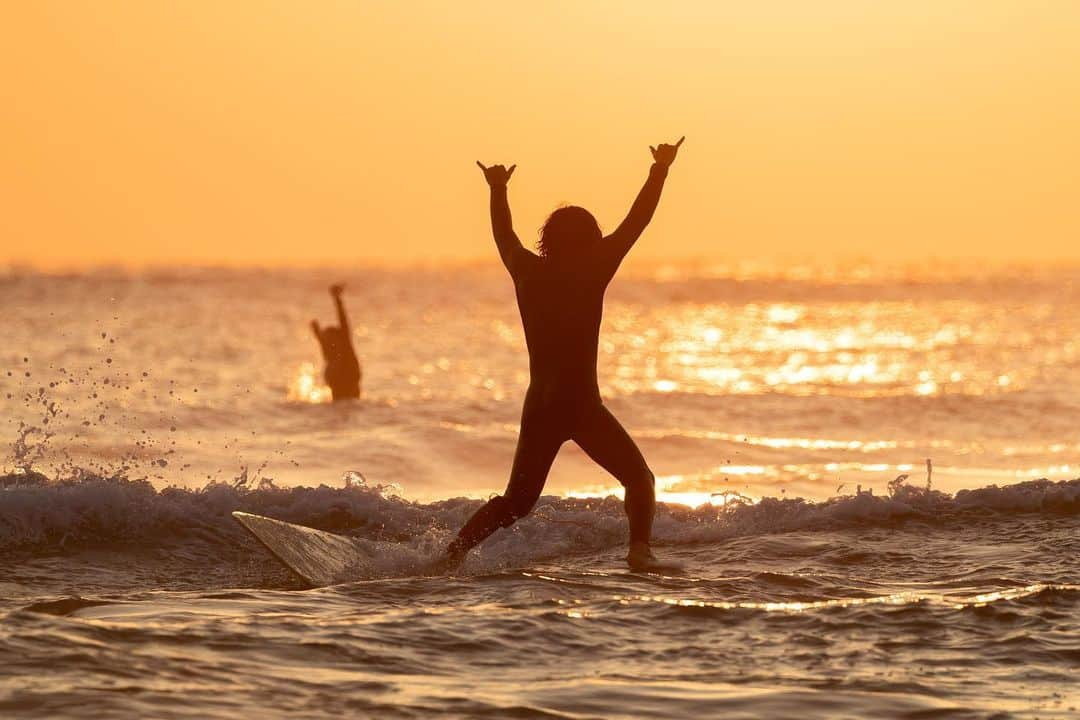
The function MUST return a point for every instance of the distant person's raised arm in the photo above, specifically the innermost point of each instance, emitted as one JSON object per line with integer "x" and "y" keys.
{"x": 343, "y": 319}
{"x": 502, "y": 225}
{"x": 619, "y": 242}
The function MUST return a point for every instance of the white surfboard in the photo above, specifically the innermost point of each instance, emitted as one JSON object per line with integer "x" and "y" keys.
{"x": 319, "y": 558}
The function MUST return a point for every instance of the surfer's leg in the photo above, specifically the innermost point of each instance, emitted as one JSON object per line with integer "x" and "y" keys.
{"x": 536, "y": 449}
{"x": 603, "y": 439}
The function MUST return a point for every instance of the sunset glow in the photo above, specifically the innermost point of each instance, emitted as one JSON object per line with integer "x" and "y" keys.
{"x": 292, "y": 133}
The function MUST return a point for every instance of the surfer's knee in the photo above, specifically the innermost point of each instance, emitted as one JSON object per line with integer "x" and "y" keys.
{"x": 640, "y": 479}
{"x": 514, "y": 507}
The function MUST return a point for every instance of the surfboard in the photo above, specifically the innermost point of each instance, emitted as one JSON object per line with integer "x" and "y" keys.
{"x": 318, "y": 558}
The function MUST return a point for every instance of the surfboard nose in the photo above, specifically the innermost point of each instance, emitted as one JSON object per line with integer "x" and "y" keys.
{"x": 318, "y": 558}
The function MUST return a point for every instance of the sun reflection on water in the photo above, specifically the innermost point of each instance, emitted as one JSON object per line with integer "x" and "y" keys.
{"x": 671, "y": 489}
{"x": 307, "y": 386}
{"x": 901, "y": 598}
{"x": 857, "y": 349}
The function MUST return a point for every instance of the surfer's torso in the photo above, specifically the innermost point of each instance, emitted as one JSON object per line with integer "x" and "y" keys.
{"x": 561, "y": 309}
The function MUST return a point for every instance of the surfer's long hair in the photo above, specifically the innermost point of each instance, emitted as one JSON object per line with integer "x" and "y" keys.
{"x": 567, "y": 232}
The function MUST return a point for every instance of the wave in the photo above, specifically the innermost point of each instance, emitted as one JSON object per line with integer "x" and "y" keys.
{"x": 43, "y": 515}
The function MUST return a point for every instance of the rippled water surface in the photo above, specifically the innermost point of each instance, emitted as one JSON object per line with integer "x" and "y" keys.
{"x": 777, "y": 412}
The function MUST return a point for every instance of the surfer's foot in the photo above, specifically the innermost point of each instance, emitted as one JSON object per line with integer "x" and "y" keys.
{"x": 641, "y": 559}
{"x": 640, "y": 556}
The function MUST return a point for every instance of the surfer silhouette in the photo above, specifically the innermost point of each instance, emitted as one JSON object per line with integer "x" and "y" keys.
{"x": 342, "y": 368}
{"x": 560, "y": 295}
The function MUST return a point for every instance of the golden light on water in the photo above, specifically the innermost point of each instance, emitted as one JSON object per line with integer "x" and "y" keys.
{"x": 307, "y": 386}
{"x": 902, "y": 598}
{"x": 951, "y": 601}
{"x": 780, "y": 442}
{"x": 673, "y": 489}
{"x": 836, "y": 347}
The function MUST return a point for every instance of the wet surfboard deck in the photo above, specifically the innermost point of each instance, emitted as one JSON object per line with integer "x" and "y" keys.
{"x": 318, "y": 558}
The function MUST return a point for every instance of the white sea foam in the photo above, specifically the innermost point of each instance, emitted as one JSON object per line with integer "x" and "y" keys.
{"x": 41, "y": 514}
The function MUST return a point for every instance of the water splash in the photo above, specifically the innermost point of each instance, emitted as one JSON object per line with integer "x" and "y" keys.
{"x": 307, "y": 386}
{"x": 86, "y": 509}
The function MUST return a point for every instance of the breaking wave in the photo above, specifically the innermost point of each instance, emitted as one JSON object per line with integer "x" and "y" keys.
{"x": 43, "y": 515}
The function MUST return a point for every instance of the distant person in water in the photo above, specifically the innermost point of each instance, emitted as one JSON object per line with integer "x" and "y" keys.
{"x": 342, "y": 367}
{"x": 560, "y": 294}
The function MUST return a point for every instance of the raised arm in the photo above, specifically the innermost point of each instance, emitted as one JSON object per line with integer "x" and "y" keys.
{"x": 318, "y": 335}
{"x": 502, "y": 225}
{"x": 343, "y": 319}
{"x": 619, "y": 242}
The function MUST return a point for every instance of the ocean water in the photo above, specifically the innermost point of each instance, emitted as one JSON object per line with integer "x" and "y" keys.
{"x": 869, "y": 474}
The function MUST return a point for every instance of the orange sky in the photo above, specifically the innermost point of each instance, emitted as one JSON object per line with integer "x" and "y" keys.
{"x": 300, "y": 133}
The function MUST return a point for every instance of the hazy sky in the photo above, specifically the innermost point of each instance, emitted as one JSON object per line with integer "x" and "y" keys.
{"x": 305, "y": 132}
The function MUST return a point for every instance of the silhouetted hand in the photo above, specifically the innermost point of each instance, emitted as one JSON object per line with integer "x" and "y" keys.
{"x": 496, "y": 175}
{"x": 315, "y": 328}
{"x": 665, "y": 154}
{"x": 336, "y": 289}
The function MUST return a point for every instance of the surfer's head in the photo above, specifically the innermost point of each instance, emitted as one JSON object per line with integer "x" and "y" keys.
{"x": 568, "y": 232}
